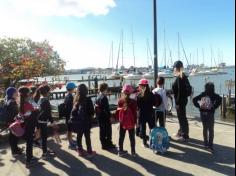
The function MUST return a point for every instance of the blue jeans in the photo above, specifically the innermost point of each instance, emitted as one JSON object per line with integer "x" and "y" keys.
{"x": 208, "y": 127}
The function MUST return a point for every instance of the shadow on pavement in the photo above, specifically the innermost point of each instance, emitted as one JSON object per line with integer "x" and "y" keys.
{"x": 155, "y": 168}
{"x": 222, "y": 155}
{"x": 70, "y": 164}
{"x": 112, "y": 167}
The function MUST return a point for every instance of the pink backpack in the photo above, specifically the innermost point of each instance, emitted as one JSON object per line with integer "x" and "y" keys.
{"x": 17, "y": 128}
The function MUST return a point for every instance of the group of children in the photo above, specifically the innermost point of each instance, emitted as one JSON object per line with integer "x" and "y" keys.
{"x": 133, "y": 114}
{"x": 35, "y": 109}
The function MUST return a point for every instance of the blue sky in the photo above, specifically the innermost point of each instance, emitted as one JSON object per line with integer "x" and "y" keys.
{"x": 82, "y": 31}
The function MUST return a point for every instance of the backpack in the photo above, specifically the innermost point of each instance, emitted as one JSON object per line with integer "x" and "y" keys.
{"x": 159, "y": 140}
{"x": 17, "y": 128}
{"x": 62, "y": 110}
{"x": 158, "y": 99}
{"x": 4, "y": 115}
{"x": 81, "y": 120}
{"x": 206, "y": 103}
{"x": 188, "y": 89}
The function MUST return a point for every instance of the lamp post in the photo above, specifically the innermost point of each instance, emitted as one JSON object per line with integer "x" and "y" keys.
{"x": 155, "y": 42}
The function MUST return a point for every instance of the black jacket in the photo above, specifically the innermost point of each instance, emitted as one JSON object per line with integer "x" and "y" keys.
{"x": 89, "y": 111}
{"x": 68, "y": 104}
{"x": 145, "y": 106}
{"x": 12, "y": 110}
{"x": 104, "y": 113}
{"x": 179, "y": 89}
{"x": 45, "y": 113}
{"x": 215, "y": 99}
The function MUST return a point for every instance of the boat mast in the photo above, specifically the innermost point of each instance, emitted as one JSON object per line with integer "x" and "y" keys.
{"x": 122, "y": 47}
{"x": 133, "y": 47}
{"x": 112, "y": 56}
{"x": 197, "y": 57}
{"x": 184, "y": 51}
{"x": 203, "y": 56}
{"x": 118, "y": 56}
{"x": 178, "y": 46}
{"x": 165, "y": 46}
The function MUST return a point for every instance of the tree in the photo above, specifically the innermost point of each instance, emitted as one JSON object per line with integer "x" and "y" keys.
{"x": 25, "y": 59}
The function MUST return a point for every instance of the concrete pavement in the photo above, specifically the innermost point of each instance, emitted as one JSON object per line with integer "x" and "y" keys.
{"x": 181, "y": 160}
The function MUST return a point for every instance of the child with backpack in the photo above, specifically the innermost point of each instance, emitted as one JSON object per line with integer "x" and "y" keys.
{"x": 45, "y": 116}
{"x": 127, "y": 108}
{"x": 11, "y": 111}
{"x": 160, "y": 90}
{"x": 68, "y": 103}
{"x": 26, "y": 110}
{"x": 104, "y": 118}
{"x": 145, "y": 102}
{"x": 207, "y": 102}
{"x": 81, "y": 120}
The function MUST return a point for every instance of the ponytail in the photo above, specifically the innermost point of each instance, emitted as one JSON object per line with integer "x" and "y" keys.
{"x": 36, "y": 96}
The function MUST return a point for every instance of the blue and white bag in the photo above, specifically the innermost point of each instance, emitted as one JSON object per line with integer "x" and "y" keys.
{"x": 159, "y": 140}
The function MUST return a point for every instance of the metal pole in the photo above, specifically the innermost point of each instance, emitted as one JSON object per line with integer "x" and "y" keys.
{"x": 155, "y": 43}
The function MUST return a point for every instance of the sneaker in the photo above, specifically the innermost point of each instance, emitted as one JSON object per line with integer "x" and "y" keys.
{"x": 122, "y": 153}
{"x": 177, "y": 135}
{"x": 82, "y": 153}
{"x": 17, "y": 153}
{"x": 211, "y": 149}
{"x": 111, "y": 146}
{"x": 133, "y": 154}
{"x": 47, "y": 155}
{"x": 145, "y": 145}
{"x": 72, "y": 146}
{"x": 30, "y": 163}
{"x": 91, "y": 154}
{"x": 182, "y": 139}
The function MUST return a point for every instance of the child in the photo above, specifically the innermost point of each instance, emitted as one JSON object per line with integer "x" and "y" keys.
{"x": 26, "y": 110}
{"x": 12, "y": 111}
{"x": 68, "y": 108}
{"x": 81, "y": 119}
{"x": 145, "y": 102}
{"x": 163, "y": 107}
{"x": 45, "y": 115}
{"x": 207, "y": 102}
{"x": 103, "y": 115}
{"x": 128, "y": 117}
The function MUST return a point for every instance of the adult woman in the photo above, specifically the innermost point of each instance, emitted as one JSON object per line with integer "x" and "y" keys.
{"x": 181, "y": 89}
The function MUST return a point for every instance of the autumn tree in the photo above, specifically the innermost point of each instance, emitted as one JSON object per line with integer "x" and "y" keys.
{"x": 25, "y": 59}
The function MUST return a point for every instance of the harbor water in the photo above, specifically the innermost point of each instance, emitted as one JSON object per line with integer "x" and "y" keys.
{"x": 197, "y": 83}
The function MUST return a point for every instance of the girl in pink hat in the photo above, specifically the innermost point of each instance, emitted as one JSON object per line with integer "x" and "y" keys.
{"x": 127, "y": 108}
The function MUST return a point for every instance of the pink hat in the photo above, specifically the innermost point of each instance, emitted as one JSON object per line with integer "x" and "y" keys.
{"x": 127, "y": 89}
{"x": 143, "y": 82}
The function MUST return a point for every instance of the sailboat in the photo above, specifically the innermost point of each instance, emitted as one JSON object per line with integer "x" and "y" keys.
{"x": 135, "y": 75}
{"x": 118, "y": 74}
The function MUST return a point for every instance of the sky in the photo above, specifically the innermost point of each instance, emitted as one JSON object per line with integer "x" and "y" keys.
{"x": 82, "y": 31}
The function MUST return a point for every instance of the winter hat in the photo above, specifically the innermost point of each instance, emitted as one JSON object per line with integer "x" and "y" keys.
{"x": 10, "y": 91}
{"x": 178, "y": 64}
{"x": 127, "y": 89}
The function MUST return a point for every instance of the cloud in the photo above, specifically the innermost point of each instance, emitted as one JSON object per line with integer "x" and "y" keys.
{"x": 76, "y": 8}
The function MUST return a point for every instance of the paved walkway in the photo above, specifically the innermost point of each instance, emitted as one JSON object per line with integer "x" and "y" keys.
{"x": 182, "y": 159}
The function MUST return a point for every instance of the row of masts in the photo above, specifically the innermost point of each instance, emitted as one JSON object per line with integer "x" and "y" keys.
{"x": 192, "y": 59}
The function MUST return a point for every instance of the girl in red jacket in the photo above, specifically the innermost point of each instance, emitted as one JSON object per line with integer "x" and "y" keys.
{"x": 127, "y": 108}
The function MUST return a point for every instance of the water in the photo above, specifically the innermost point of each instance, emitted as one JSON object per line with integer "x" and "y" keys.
{"x": 198, "y": 83}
